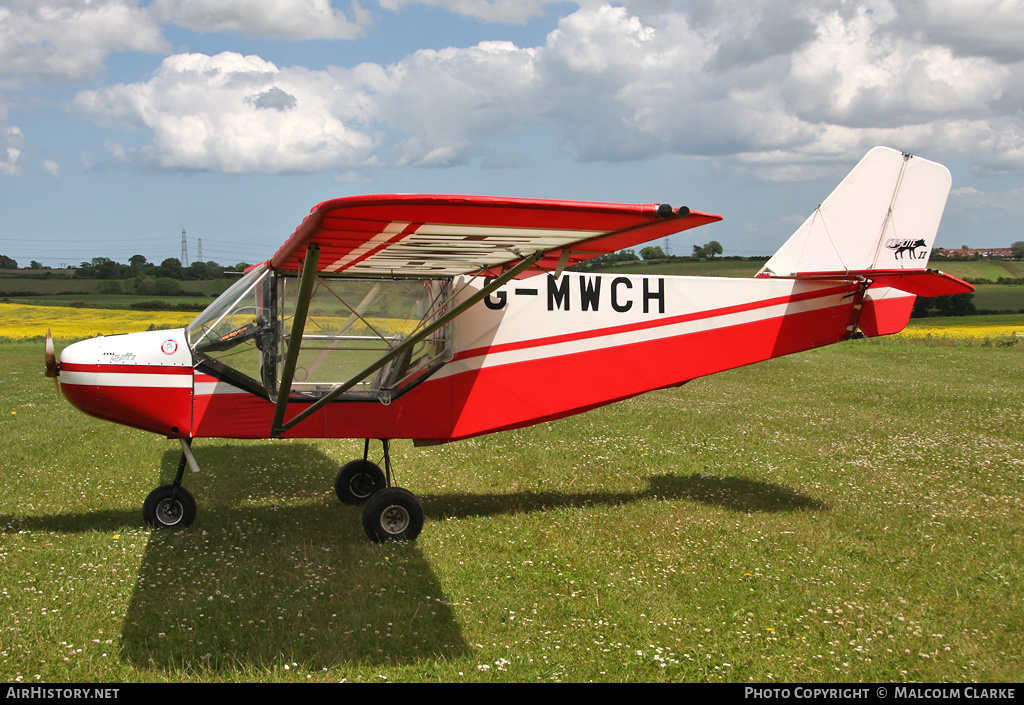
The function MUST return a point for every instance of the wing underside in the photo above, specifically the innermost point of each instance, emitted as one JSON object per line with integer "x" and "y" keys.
{"x": 452, "y": 235}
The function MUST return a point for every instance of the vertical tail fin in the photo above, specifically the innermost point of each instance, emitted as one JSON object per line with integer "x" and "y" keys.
{"x": 878, "y": 226}
{"x": 883, "y": 216}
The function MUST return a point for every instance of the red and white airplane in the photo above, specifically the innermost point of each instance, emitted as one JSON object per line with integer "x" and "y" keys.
{"x": 438, "y": 318}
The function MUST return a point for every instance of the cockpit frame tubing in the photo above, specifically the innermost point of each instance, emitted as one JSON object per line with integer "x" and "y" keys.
{"x": 282, "y": 400}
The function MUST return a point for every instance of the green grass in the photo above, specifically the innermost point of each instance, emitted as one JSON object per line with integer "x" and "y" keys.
{"x": 848, "y": 514}
{"x": 992, "y": 269}
{"x": 980, "y": 321}
{"x": 999, "y": 297}
{"x": 111, "y": 301}
{"x": 71, "y": 285}
{"x": 69, "y": 291}
{"x": 707, "y": 268}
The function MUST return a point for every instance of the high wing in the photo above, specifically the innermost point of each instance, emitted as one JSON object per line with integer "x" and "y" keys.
{"x": 452, "y": 235}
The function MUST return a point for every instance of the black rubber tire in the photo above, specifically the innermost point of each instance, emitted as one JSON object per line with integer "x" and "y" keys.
{"x": 393, "y": 514}
{"x": 358, "y": 481}
{"x": 168, "y": 507}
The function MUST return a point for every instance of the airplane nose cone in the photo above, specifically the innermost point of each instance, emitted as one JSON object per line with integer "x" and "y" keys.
{"x": 142, "y": 380}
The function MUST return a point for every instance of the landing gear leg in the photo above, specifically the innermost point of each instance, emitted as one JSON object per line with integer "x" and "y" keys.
{"x": 172, "y": 506}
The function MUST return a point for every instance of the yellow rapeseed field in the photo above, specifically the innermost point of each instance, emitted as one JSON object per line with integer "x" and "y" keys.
{"x": 66, "y": 323}
{"x": 20, "y": 321}
{"x": 918, "y": 331}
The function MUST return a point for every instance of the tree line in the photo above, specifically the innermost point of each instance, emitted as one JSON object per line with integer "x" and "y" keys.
{"x": 651, "y": 252}
{"x": 139, "y": 266}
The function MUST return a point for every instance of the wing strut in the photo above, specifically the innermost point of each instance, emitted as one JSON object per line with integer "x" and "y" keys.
{"x": 298, "y": 328}
{"x": 305, "y": 290}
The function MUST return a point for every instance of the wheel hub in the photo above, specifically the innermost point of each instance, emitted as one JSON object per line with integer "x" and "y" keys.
{"x": 394, "y": 519}
{"x": 169, "y": 512}
{"x": 361, "y": 485}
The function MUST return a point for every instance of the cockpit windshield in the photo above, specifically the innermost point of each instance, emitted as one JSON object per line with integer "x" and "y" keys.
{"x": 236, "y": 330}
{"x": 354, "y": 322}
{"x": 232, "y": 316}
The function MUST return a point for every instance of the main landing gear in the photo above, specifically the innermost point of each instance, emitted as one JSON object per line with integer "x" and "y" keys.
{"x": 390, "y": 513}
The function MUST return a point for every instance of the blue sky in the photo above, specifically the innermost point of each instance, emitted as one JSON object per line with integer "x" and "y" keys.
{"x": 123, "y": 122}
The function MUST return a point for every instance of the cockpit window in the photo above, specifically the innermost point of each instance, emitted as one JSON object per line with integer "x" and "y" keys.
{"x": 351, "y": 324}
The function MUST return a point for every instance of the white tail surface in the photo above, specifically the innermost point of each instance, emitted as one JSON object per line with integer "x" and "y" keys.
{"x": 884, "y": 215}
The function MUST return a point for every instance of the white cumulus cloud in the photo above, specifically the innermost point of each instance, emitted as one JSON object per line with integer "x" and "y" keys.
{"x": 511, "y": 11}
{"x": 288, "y": 19}
{"x": 61, "y": 40}
{"x": 773, "y": 89}
{"x": 992, "y": 28}
{"x": 219, "y": 113}
{"x": 11, "y": 141}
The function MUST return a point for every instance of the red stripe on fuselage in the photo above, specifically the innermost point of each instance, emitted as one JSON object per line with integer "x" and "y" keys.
{"x": 127, "y": 369}
{"x": 580, "y": 381}
{"x": 500, "y": 397}
{"x": 163, "y": 410}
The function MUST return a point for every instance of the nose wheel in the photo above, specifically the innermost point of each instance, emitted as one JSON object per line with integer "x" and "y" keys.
{"x": 169, "y": 507}
{"x": 172, "y": 506}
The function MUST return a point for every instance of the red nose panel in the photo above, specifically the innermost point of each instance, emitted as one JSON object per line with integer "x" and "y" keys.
{"x": 117, "y": 396}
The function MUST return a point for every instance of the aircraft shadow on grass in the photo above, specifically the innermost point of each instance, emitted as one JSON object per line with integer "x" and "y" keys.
{"x": 731, "y": 493}
{"x": 318, "y": 593}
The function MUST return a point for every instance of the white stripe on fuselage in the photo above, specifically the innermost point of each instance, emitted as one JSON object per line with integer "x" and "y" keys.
{"x": 125, "y": 379}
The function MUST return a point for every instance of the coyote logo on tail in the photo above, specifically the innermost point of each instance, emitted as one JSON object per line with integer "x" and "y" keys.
{"x": 901, "y": 247}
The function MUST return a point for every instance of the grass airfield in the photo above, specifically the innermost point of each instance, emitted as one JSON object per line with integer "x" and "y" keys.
{"x": 849, "y": 514}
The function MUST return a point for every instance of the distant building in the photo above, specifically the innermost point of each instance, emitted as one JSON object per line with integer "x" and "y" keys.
{"x": 971, "y": 253}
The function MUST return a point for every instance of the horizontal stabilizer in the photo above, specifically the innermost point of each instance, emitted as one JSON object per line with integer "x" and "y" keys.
{"x": 920, "y": 282}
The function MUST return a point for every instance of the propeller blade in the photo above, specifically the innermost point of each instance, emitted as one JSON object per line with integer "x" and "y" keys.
{"x": 52, "y": 369}
{"x": 52, "y": 366}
